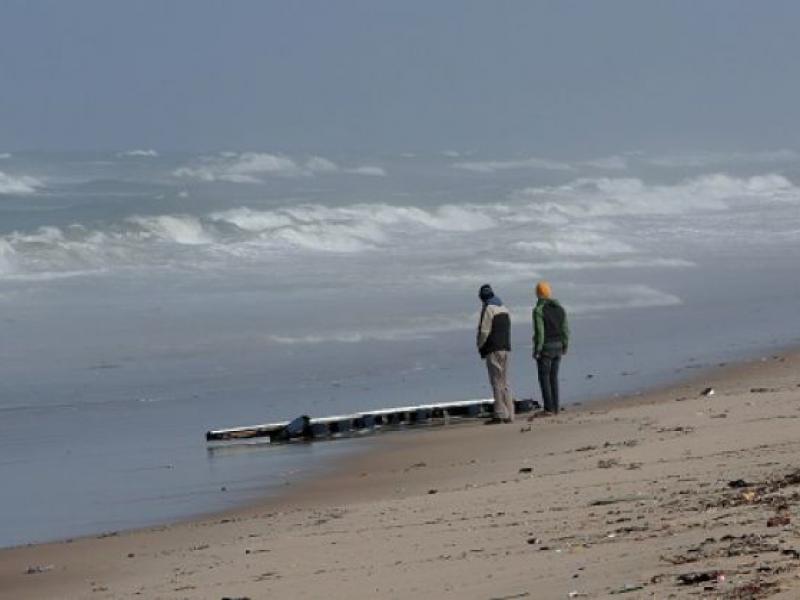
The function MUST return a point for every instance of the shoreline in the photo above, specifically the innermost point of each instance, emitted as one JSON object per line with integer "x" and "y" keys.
{"x": 409, "y": 467}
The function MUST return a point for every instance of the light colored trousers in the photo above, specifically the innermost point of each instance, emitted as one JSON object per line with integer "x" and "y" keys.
{"x": 497, "y": 364}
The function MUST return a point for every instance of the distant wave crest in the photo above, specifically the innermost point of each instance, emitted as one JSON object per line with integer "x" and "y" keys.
{"x": 18, "y": 184}
{"x": 254, "y": 167}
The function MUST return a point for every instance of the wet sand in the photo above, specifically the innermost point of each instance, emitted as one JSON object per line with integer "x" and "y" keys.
{"x": 670, "y": 494}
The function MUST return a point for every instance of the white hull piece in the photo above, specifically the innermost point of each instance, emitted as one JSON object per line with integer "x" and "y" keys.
{"x": 304, "y": 428}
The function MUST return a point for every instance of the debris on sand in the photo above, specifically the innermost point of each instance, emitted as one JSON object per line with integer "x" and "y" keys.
{"x": 696, "y": 577}
{"x": 520, "y": 595}
{"x": 738, "y": 483}
{"x": 677, "y": 429}
{"x": 36, "y": 569}
{"x": 628, "y": 587}
{"x": 778, "y": 521}
{"x": 709, "y": 391}
{"x": 608, "y": 501}
{"x": 418, "y": 465}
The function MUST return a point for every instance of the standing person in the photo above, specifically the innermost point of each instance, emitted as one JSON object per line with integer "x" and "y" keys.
{"x": 550, "y": 342}
{"x": 494, "y": 345}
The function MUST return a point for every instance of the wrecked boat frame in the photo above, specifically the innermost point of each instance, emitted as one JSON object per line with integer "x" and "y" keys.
{"x": 305, "y": 428}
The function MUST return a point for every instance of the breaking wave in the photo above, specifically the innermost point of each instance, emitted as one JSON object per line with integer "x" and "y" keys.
{"x": 580, "y": 225}
{"x": 253, "y": 167}
{"x": 18, "y": 184}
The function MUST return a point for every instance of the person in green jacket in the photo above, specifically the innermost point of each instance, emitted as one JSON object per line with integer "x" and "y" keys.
{"x": 550, "y": 343}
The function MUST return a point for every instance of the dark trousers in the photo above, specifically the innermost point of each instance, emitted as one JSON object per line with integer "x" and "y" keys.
{"x": 547, "y": 366}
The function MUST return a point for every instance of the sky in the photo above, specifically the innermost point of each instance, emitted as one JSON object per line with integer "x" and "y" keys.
{"x": 559, "y": 78}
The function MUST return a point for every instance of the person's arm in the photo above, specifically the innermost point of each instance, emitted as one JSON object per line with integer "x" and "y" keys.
{"x": 538, "y": 330}
{"x": 485, "y": 326}
{"x": 565, "y": 332}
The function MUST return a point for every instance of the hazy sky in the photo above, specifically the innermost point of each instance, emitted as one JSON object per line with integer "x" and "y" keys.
{"x": 556, "y": 78}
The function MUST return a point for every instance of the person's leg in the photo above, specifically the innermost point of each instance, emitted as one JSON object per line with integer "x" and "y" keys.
{"x": 543, "y": 367}
{"x": 508, "y": 398}
{"x": 496, "y": 373}
{"x": 554, "y": 364}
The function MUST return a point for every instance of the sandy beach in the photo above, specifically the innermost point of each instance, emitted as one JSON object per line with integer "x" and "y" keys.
{"x": 673, "y": 494}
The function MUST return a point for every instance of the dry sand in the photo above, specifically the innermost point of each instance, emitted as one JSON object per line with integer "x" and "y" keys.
{"x": 616, "y": 499}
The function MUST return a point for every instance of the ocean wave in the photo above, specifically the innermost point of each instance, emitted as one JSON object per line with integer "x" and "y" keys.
{"x": 608, "y": 197}
{"x": 583, "y": 224}
{"x": 370, "y": 171}
{"x": 253, "y": 167}
{"x": 180, "y": 229}
{"x": 576, "y": 243}
{"x": 138, "y": 153}
{"x": 493, "y": 166}
{"x": 18, "y": 184}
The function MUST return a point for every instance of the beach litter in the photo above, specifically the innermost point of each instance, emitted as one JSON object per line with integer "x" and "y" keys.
{"x": 526, "y": 470}
{"x": 696, "y": 577}
{"x": 628, "y": 587}
{"x": 36, "y": 569}
{"x": 709, "y": 391}
{"x": 738, "y": 483}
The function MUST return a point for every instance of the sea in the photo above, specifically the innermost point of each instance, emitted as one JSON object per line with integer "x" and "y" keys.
{"x": 147, "y": 297}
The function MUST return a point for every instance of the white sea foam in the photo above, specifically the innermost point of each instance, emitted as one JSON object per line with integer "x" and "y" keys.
{"x": 178, "y": 229}
{"x": 247, "y": 167}
{"x": 413, "y": 329}
{"x": 604, "y": 298}
{"x": 604, "y": 197}
{"x": 6, "y": 257}
{"x": 252, "y": 220}
{"x": 253, "y": 167}
{"x": 625, "y": 263}
{"x": 19, "y": 184}
{"x": 149, "y": 153}
{"x": 573, "y": 242}
{"x": 319, "y": 164}
{"x": 493, "y": 166}
{"x": 370, "y": 171}
{"x": 581, "y": 225}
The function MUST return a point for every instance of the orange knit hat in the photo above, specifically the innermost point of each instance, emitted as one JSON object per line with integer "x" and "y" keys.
{"x": 543, "y": 290}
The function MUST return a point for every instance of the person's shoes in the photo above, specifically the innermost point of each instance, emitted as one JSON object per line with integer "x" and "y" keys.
{"x": 493, "y": 421}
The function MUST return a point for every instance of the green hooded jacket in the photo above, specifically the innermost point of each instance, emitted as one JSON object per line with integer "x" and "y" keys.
{"x": 549, "y": 324}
